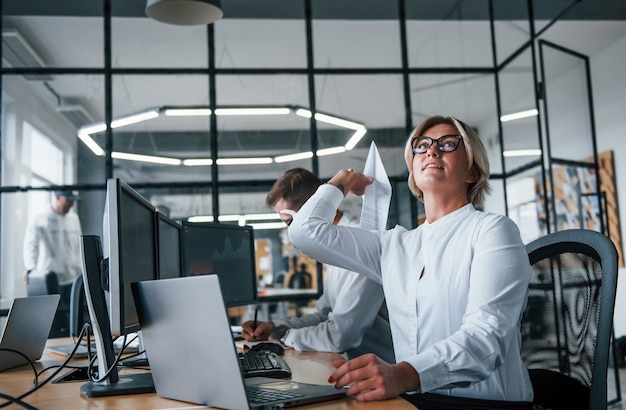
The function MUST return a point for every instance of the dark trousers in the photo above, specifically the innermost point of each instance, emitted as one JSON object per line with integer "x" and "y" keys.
{"x": 429, "y": 401}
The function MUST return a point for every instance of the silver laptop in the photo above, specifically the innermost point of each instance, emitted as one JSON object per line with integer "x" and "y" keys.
{"x": 193, "y": 358}
{"x": 26, "y": 330}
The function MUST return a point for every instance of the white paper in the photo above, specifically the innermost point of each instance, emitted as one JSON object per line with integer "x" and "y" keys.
{"x": 377, "y": 195}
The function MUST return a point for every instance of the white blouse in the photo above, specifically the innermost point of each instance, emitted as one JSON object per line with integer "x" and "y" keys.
{"x": 459, "y": 324}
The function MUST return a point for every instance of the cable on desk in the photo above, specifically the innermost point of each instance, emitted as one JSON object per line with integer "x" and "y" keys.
{"x": 39, "y": 385}
{"x": 117, "y": 360}
{"x": 15, "y": 400}
{"x": 30, "y": 362}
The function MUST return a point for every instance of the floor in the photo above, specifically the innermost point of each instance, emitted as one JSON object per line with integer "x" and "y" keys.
{"x": 612, "y": 394}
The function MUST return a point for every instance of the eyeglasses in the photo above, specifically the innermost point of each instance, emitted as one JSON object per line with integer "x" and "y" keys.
{"x": 447, "y": 143}
{"x": 288, "y": 212}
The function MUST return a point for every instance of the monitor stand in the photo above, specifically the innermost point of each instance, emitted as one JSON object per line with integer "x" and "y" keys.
{"x": 113, "y": 384}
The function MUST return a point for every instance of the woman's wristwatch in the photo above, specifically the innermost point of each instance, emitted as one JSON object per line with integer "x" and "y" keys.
{"x": 280, "y": 333}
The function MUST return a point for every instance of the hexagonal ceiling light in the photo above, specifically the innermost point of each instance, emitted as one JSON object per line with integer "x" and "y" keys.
{"x": 85, "y": 134}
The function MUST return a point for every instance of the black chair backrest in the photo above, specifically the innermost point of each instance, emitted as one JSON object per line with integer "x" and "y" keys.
{"x": 79, "y": 314}
{"x": 568, "y": 323}
{"x": 47, "y": 284}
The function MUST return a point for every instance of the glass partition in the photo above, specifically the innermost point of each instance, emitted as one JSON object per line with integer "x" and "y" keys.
{"x": 32, "y": 41}
{"x": 453, "y": 34}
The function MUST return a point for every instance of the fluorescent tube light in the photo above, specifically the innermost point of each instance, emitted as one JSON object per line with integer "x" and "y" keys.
{"x": 293, "y": 157}
{"x": 196, "y": 162}
{"x": 303, "y": 113}
{"x": 201, "y": 218}
{"x": 244, "y": 161}
{"x": 145, "y": 158}
{"x": 330, "y": 151}
{"x": 187, "y": 112}
{"x": 93, "y": 128}
{"x": 522, "y": 153}
{"x": 84, "y": 133}
{"x": 133, "y": 119}
{"x": 261, "y": 217}
{"x": 229, "y": 218}
{"x": 268, "y": 225}
{"x": 329, "y": 119}
{"x": 252, "y": 111}
{"x": 356, "y": 137}
{"x": 519, "y": 115}
{"x": 91, "y": 144}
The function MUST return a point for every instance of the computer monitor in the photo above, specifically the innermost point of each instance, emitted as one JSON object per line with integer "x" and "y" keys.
{"x": 169, "y": 247}
{"x": 226, "y": 250}
{"x": 129, "y": 251}
{"x": 127, "y": 254}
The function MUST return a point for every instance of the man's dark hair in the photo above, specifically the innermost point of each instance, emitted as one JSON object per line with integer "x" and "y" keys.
{"x": 295, "y": 186}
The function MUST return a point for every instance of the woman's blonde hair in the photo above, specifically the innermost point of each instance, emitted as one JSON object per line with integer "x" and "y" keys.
{"x": 474, "y": 149}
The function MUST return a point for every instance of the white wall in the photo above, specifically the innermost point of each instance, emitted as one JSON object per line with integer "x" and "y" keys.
{"x": 609, "y": 95}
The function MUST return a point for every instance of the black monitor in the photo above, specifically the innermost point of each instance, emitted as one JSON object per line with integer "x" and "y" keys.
{"x": 169, "y": 247}
{"x": 129, "y": 251}
{"x": 126, "y": 254}
{"x": 226, "y": 250}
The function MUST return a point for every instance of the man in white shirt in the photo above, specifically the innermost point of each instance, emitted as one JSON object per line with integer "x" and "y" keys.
{"x": 51, "y": 244}
{"x": 351, "y": 314}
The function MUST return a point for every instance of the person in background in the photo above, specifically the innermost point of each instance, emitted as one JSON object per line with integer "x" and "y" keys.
{"x": 456, "y": 286}
{"x": 351, "y": 315}
{"x": 52, "y": 244}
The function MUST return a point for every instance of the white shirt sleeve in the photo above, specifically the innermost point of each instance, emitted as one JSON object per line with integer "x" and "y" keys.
{"x": 312, "y": 231}
{"x": 31, "y": 245}
{"x": 341, "y": 323}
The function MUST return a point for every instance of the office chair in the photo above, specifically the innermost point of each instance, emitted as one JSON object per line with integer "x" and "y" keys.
{"x": 567, "y": 326}
{"x": 79, "y": 314}
{"x": 46, "y": 284}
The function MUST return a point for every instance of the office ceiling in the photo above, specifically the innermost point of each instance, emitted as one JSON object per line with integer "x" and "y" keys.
{"x": 588, "y": 27}
{"x": 338, "y": 9}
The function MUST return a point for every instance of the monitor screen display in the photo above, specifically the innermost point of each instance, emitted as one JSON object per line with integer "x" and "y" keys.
{"x": 129, "y": 238}
{"x": 225, "y": 250}
{"x": 169, "y": 253}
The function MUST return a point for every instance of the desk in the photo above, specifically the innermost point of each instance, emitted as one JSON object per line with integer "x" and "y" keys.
{"x": 310, "y": 367}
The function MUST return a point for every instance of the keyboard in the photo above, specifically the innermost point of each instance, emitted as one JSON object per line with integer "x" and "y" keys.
{"x": 263, "y": 363}
{"x": 259, "y": 395}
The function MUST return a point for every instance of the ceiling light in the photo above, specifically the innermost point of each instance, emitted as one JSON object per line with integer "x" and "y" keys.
{"x": 201, "y": 218}
{"x": 135, "y": 118}
{"x": 293, "y": 157}
{"x": 84, "y": 133}
{"x": 93, "y": 128}
{"x": 302, "y": 112}
{"x": 356, "y": 137}
{"x": 185, "y": 12}
{"x": 522, "y": 153}
{"x": 187, "y": 112}
{"x": 330, "y": 151}
{"x": 229, "y": 218}
{"x": 268, "y": 225}
{"x": 244, "y": 161}
{"x": 91, "y": 144}
{"x": 145, "y": 158}
{"x": 519, "y": 115}
{"x": 340, "y": 122}
{"x": 261, "y": 217}
{"x": 198, "y": 162}
{"x": 252, "y": 111}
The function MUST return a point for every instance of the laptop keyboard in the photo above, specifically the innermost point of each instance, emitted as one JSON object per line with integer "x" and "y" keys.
{"x": 263, "y": 363}
{"x": 259, "y": 395}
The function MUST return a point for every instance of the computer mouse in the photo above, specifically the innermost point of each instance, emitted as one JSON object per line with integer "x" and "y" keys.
{"x": 272, "y": 347}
